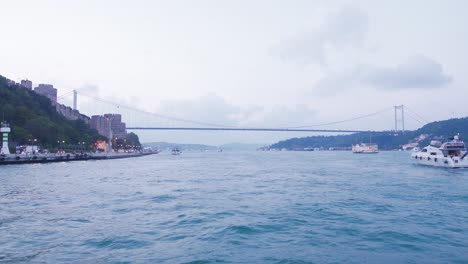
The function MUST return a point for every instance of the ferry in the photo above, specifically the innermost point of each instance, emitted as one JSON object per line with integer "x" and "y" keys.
{"x": 365, "y": 148}
{"x": 451, "y": 154}
{"x": 176, "y": 151}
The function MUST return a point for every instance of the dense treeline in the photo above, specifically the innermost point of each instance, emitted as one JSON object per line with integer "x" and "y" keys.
{"x": 386, "y": 140}
{"x": 129, "y": 142}
{"x": 31, "y": 116}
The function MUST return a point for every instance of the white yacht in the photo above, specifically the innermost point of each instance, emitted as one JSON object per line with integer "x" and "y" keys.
{"x": 451, "y": 154}
{"x": 365, "y": 148}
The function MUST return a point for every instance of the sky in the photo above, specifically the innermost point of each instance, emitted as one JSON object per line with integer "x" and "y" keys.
{"x": 245, "y": 63}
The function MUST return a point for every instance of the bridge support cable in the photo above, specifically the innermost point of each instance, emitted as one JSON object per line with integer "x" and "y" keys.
{"x": 347, "y": 120}
{"x": 217, "y": 127}
{"x": 64, "y": 95}
{"x": 410, "y": 115}
{"x": 152, "y": 113}
{"x": 418, "y": 115}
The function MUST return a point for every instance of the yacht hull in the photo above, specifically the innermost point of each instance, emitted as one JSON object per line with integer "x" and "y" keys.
{"x": 439, "y": 161}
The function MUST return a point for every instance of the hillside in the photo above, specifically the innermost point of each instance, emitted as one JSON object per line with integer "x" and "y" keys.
{"x": 31, "y": 116}
{"x": 169, "y": 146}
{"x": 386, "y": 140}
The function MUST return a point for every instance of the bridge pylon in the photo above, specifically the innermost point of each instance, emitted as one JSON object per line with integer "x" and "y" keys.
{"x": 399, "y": 117}
{"x": 75, "y": 100}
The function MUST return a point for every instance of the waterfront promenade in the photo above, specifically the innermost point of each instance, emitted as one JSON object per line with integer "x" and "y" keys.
{"x": 48, "y": 158}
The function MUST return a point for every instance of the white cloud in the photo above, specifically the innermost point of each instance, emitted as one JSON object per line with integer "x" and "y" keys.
{"x": 346, "y": 28}
{"x": 89, "y": 88}
{"x": 417, "y": 72}
{"x": 209, "y": 108}
{"x": 214, "y": 109}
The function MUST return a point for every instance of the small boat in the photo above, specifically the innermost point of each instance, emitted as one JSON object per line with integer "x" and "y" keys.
{"x": 365, "y": 148}
{"x": 176, "y": 151}
{"x": 451, "y": 154}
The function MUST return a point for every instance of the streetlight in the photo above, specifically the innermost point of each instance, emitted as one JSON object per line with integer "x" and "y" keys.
{"x": 81, "y": 146}
{"x": 61, "y": 144}
{"x": 34, "y": 144}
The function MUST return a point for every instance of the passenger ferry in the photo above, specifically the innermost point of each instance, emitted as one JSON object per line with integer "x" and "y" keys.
{"x": 365, "y": 148}
{"x": 176, "y": 151}
{"x": 451, "y": 154}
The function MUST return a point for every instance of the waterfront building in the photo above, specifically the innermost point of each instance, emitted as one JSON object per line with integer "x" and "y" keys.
{"x": 5, "y": 130}
{"x": 26, "y": 84}
{"x": 103, "y": 146}
{"x": 102, "y": 124}
{"x": 48, "y": 91}
{"x": 119, "y": 128}
{"x": 109, "y": 125}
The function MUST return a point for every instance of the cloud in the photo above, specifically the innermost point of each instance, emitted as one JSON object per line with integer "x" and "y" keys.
{"x": 417, "y": 72}
{"x": 335, "y": 82}
{"x": 346, "y": 28}
{"x": 89, "y": 88}
{"x": 285, "y": 116}
{"x": 209, "y": 108}
{"x": 213, "y": 109}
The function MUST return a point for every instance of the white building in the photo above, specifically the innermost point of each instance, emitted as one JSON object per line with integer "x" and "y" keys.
{"x": 4, "y": 130}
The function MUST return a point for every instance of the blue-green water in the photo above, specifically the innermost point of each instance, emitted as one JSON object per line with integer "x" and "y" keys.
{"x": 235, "y": 207}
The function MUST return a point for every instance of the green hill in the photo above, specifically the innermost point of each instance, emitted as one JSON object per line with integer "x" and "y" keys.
{"x": 386, "y": 140}
{"x": 31, "y": 116}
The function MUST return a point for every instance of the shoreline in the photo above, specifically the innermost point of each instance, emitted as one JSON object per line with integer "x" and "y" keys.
{"x": 14, "y": 159}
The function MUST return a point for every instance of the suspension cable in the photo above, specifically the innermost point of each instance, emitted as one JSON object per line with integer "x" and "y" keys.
{"x": 65, "y": 94}
{"x": 220, "y": 125}
{"x": 420, "y": 117}
{"x": 347, "y": 120}
{"x": 152, "y": 113}
{"x": 415, "y": 118}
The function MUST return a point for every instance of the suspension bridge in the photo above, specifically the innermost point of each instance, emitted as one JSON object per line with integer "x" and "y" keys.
{"x": 197, "y": 125}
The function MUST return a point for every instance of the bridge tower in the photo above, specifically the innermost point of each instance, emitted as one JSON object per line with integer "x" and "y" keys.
{"x": 4, "y": 130}
{"x": 75, "y": 99}
{"x": 400, "y": 117}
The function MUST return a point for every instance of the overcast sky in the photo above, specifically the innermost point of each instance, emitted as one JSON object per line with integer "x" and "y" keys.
{"x": 245, "y": 63}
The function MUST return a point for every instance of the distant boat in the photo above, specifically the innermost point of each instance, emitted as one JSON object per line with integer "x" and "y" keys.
{"x": 365, "y": 148}
{"x": 176, "y": 151}
{"x": 451, "y": 154}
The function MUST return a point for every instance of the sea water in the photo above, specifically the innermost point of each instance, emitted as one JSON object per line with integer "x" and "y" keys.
{"x": 235, "y": 207}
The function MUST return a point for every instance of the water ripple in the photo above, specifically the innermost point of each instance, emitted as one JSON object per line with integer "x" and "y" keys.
{"x": 246, "y": 207}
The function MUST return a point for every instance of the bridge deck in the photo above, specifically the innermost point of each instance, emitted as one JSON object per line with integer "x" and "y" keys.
{"x": 250, "y": 129}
